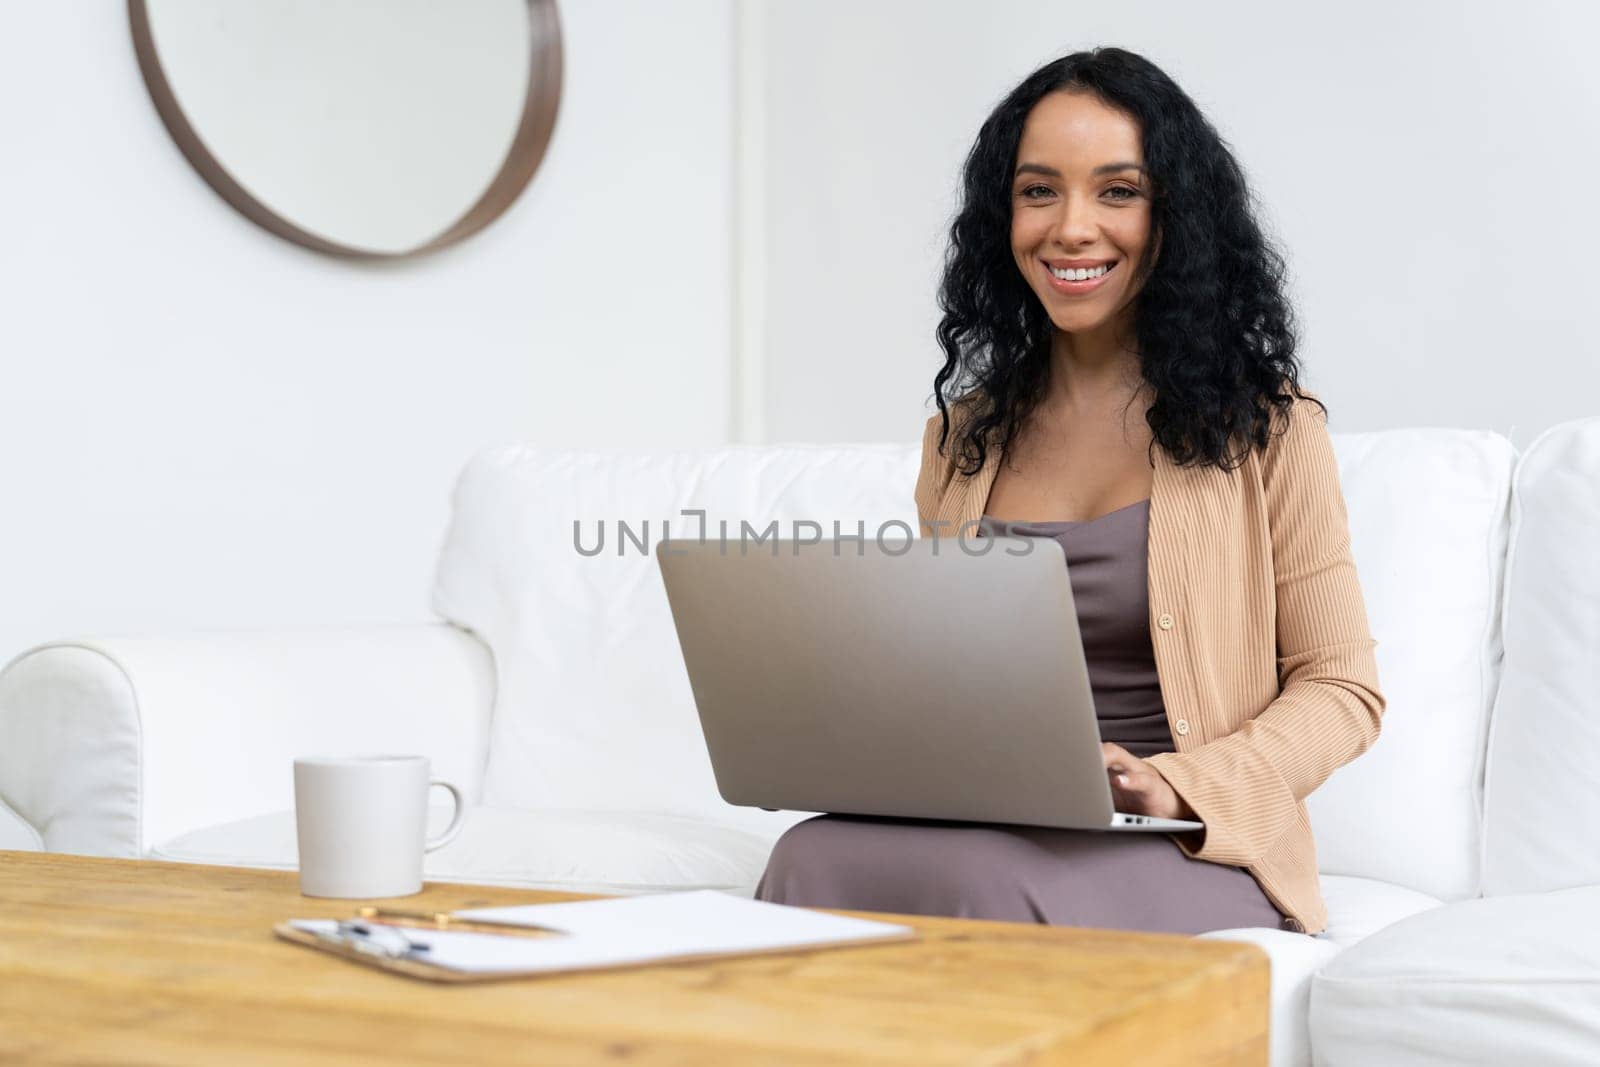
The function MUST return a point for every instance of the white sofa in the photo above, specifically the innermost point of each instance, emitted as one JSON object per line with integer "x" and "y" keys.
{"x": 1462, "y": 926}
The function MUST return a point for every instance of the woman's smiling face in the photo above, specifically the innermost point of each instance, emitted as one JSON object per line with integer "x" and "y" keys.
{"x": 1080, "y": 198}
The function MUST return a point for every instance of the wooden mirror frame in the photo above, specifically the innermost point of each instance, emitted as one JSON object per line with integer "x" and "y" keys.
{"x": 516, "y": 170}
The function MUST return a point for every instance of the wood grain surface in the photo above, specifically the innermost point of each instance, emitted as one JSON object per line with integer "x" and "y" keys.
{"x": 120, "y": 961}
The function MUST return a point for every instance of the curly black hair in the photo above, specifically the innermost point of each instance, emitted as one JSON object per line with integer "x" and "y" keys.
{"x": 1215, "y": 333}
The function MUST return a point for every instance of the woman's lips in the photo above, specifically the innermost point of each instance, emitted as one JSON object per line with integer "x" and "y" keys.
{"x": 1088, "y": 285}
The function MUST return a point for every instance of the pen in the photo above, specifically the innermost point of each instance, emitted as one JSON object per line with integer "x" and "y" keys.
{"x": 440, "y": 920}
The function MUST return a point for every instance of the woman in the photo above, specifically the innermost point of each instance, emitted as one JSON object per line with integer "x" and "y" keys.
{"x": 1106, "y": 265}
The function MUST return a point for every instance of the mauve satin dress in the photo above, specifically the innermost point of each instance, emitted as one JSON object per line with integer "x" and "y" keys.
{"x": 1122, "y": 881}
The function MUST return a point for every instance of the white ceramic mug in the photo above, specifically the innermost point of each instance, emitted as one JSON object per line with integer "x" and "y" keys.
{"x": 362, "y": 823}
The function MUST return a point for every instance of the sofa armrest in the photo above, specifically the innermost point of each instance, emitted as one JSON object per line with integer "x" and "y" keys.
{"x": 110, "y": 746}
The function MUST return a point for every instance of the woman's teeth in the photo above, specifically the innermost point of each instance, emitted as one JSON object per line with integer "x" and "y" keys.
{"x": 1082, "y": 274}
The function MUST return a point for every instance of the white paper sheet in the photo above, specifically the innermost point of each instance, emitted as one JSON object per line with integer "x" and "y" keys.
{"x": 635, "y": 929}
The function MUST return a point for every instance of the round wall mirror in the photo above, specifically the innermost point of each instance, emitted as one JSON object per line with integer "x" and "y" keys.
{"x": 362, "y": 128}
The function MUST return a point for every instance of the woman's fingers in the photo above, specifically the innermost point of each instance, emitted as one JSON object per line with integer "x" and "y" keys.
{"x": 1116, "y": 757}
{"x": 1131, "y": 783}
{"x": 1136, "y": 788}
{"x": 1134, "y": 791}
{"x": 1123, "y": 766}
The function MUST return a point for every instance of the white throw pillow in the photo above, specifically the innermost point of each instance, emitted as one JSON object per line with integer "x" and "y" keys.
{"x": 1543, "y": 793}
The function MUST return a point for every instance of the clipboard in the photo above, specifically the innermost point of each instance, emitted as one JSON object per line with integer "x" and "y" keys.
{"x": 615, "y": 933}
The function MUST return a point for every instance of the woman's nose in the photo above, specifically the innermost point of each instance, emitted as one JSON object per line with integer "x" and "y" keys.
{"x": 1076, "y": 224}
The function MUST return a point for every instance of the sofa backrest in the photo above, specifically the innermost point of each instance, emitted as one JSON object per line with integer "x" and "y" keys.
{"x": 594, "y": 708}
{"x": 1428, "y": 526}
{"x": 1542, "y": 799}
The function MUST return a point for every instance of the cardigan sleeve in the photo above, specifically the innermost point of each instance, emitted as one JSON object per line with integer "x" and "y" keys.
{"x": 929, "y": 482}
{"x": 1246, "y": 786}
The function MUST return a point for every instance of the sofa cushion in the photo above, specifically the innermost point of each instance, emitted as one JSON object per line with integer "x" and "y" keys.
{"x": 1360, "y": 907}
{"x": 1545, "y": 738}
{"x": 1495, "y": 981}
{"x": 571, "y": 851}
{"x": 1356, "y": 908}
{"x": 594, "y": 708}
{"x": 1427, "y": 512}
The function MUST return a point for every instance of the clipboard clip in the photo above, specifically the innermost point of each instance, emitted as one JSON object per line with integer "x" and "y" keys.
{"x": 382, "y": 932}
{"x": 373, "y": 939}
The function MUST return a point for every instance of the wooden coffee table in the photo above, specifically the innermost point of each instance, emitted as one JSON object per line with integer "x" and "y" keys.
{"x": 126, "y": 961}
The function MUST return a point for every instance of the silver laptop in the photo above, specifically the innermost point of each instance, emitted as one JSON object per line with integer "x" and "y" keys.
{"x": 919, "y": 678}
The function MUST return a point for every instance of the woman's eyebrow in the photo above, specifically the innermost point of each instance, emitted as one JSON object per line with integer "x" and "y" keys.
{"x": 1051, "y": 172}
{"x": 1111, "y": 168}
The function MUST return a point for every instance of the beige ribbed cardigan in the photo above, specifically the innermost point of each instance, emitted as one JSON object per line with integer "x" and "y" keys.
{"x": 1262, "y": 647}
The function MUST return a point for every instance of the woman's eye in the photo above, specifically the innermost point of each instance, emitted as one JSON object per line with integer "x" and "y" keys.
{"x": 1045, "y": 190}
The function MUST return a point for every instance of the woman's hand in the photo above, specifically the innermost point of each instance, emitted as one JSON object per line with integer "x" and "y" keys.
{"x": 1138, "y": 788}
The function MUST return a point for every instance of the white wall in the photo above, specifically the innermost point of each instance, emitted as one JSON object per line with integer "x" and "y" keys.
{"x": 202, "y": 425}
{"x": 1426, "y": 165}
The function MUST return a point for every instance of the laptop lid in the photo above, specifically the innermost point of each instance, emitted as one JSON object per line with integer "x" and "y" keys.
{"x": 938, "y": 678}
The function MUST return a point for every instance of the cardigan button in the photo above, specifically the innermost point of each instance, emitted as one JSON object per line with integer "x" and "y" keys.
{"x": 1182, "y": 726}
{"x": 1165, "y": 622}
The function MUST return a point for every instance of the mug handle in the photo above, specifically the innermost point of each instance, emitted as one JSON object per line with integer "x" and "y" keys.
{"x": 456, "y": 820}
